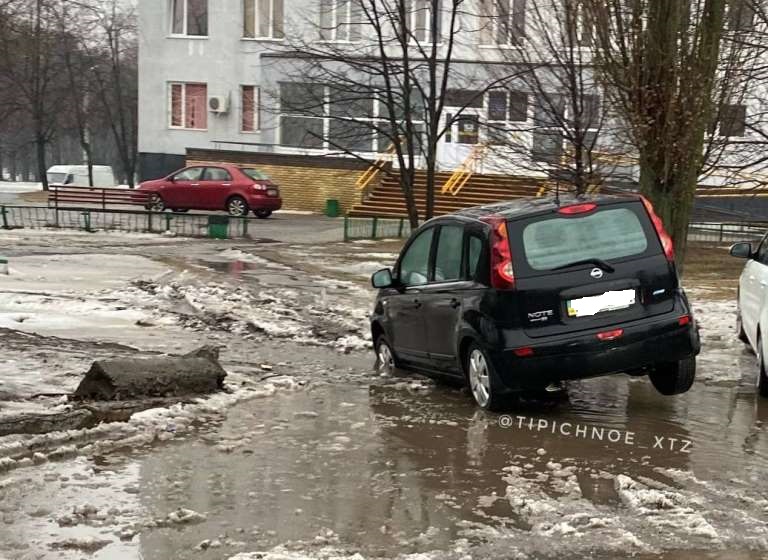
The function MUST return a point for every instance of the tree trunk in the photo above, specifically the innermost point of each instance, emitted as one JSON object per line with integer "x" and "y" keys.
{"x": 41, "y": 167}
{"x": 673, "y": 206}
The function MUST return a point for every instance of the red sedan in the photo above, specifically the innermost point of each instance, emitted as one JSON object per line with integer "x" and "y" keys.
{"x": 235, "y": 189}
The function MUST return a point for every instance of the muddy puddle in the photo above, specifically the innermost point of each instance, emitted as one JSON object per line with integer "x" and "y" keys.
{"x": 403, "y": 467}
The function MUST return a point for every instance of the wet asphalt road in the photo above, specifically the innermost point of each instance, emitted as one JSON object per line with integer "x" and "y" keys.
{"x": 348, "y": 463}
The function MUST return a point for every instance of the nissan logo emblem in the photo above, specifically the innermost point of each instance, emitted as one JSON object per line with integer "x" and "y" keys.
{"x": 596, "y": 273}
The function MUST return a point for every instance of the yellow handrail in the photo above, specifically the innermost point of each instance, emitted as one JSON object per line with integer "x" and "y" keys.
{"x": 370, "y": 174}
{"x": 464, "y": 172}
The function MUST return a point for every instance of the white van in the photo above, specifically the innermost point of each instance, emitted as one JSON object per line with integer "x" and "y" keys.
{"x": 77, "y": 175}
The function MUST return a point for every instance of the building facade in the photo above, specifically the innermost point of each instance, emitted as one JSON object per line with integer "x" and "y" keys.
{"x": 218, "y": 75}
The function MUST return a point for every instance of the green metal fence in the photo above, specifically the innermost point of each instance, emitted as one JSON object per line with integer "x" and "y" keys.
{"x": 91, "y": 219}
{"x": 375, "y": 228}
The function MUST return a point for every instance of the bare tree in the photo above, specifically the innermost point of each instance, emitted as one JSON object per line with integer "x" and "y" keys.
{"x": 558, "y": 82}
{"x": 30, "y": 66}
{"x": 387, "y": 92}
{"x": 667, "y": 66}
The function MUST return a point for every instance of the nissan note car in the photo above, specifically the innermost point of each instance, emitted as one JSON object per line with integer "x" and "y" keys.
{"x": 238, "y": 190}
{"x": 520, "y": 296}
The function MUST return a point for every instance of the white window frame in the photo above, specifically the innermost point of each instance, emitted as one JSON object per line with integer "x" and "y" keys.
{"x": 256, "y": 109}
{"x": 257, "y": 17}
{"x": 185, "y": 21}
{"x": 340, "y": 30}
{"x": 426, "y": 7}
{"x": 494, "y": 26}
{"x": 183, "y": 125}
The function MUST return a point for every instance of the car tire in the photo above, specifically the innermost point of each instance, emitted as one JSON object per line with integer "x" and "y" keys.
{"x": 674, "y": 378}
{"x": 386, "y": 362}
{"x": 740, "y": 332}
{"x": 762, "y": 375}
{"x": 155, "y": 203}
{"x": 481, "y": 379}
{"x": 237, "y": 207}
{"x": 262, "y": 213}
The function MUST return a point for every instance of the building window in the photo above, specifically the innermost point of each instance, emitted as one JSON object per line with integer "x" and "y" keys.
{"x": 189, "y": 17}
{"x": 302, "y": 112}
{"x": 250, "y": 108}
{"x": 189, "y": 106}
{"x": 263, "y": 19}
{"x": 733, "y": 120}
{"x": 502, "y": 22}
{"x": 340, "y": 20}
{"x": 345, "y": 120}
{"x": 463, "y": 98}
{"x": 507, "y": 106}
{"x": 741, "y": 15}
{"x": 420, "y": 14}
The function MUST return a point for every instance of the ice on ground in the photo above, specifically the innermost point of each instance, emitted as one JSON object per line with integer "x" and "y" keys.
{"x": 13, "y": 187}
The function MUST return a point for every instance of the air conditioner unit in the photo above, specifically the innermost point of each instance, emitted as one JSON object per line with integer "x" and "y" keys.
{"x": 218, "y": 103}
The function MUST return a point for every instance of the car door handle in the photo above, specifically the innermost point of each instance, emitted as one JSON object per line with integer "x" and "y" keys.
{"x": 226, "y": 184}
{"x": 194, "y": 184}
{"x": 455, "y": 303}
{"x": 416, "y": 303}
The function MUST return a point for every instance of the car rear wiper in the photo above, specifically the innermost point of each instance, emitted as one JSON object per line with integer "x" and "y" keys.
{"x": 600, "y": 263}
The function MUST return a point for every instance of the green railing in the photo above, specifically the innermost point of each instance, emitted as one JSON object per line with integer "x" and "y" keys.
{"x": 92, "y": 219}
{"x": 375, "y": 228}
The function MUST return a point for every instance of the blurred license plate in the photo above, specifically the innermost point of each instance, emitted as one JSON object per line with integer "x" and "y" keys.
{"x": 271, "y": 192}
{"x": 609, "y": 301}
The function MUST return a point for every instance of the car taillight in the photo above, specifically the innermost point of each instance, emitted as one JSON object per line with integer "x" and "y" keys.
{"x": 525, "y": 352}
{"x": 577, "y": 209}
{"x": 684, "y": 320}
{"x": 664, "y": 237}
{"x": 502, "y": 273}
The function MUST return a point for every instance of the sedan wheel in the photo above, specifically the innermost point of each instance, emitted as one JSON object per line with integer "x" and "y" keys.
{"x": 479, "y": 378}
{"x": 155, "y": 203}
{"x": 740, "y": 333}
{"x": 762, "y": 377}
{"x": 263, "y": 213}
{"x": 237, "y": 207}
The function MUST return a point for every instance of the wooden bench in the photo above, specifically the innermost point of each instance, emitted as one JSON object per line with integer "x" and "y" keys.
{"x": 61, "y": 195}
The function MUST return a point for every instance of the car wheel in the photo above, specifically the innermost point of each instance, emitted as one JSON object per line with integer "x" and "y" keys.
{"x": 740, "y": 332}
{"x": 155, "y": 203}
{"x": 674, "y": 378}
{"x": 482, "y": 379}
{"x": 385, "y": 357}
{"x": 262, "y": 213}
{"x": 762, "y": 376}
{"x": 237, "y": 207}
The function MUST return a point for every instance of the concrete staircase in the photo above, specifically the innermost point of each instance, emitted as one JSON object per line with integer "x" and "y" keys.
{"x": 386, "y": 198}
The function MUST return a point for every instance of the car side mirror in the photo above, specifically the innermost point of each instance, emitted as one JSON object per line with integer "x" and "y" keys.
{"x": 382, "y": 279}
{"x": 741, "y": 250}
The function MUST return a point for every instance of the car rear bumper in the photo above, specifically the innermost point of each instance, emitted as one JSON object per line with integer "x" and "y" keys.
{"x": 265, "y": 202}
{"x": 642, "y": 344}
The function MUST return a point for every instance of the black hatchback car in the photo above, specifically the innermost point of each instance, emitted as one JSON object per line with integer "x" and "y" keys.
{"x": 522, "y": 295}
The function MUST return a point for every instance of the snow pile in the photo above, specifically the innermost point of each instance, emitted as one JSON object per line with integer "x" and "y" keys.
{"x": 274, "y": 313}
{"x": 330, "y": 553}
{"x": 142, "y": 429}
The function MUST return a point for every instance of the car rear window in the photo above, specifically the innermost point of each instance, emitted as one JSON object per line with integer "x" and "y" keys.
{"x": 256, "y": 175}
{"x": 612, "y": 233}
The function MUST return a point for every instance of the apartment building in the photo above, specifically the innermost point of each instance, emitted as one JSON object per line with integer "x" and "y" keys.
{"x": 215, "y": 78}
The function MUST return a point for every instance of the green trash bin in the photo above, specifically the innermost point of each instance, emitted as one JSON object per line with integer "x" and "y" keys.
{"x": 332, "y": 208}
{"x": 218, "y": 227}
